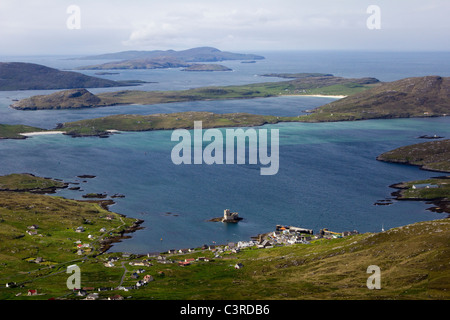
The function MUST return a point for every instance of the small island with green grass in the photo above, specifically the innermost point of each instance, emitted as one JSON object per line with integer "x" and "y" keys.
{"x": 432, "y": 156}
{"x": 27, "y": 182}
{"x": 323, "y": 85}
{"x": 206, "y": 67}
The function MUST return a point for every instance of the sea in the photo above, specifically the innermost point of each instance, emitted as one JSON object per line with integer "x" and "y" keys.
{"x": 328, "y": 173}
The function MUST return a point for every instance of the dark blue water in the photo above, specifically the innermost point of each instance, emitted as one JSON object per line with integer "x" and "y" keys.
{"x": 328, "y": 174}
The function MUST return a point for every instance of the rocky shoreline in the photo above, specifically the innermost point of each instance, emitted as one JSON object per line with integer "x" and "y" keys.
{"x": 108, "y": 243}
{"x": 441, "y": 205}
{"x": 45, "y": 190}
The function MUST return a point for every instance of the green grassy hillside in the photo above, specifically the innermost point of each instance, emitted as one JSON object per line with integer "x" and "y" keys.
{"x": 410, "y": 97}
{"x": 431, "y": 155}
{"x": 30, "y": 76}
{"x": 13, "y": 131}
{"x": 414, "y": 260}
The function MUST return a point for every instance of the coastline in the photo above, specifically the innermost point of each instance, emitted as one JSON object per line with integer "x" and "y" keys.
{"x": 314, "y": 96}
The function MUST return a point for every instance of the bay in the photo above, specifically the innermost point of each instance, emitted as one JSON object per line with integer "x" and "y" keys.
{"x": 328, "y": 175}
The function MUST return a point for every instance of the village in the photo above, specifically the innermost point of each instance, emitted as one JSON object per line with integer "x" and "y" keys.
{"x": 136, "y": 266}
{"x": 281, "y": 236}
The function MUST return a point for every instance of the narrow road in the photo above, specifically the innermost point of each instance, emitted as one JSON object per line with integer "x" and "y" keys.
{"x": 124, "y": 273}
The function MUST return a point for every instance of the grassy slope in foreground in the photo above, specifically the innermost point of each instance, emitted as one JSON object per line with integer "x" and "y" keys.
{"x": 56, "y": 220}
{"x": 206, "y": 67}
{"x": 413, "y": 261}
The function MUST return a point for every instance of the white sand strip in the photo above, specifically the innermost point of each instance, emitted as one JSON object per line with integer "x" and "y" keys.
{"x": 40, "y": 133}
{"x": 313, "y": 95}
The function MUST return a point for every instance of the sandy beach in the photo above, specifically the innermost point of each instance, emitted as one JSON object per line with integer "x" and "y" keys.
{"x": 40, "y": 133}
{"x": 313, "y": 95}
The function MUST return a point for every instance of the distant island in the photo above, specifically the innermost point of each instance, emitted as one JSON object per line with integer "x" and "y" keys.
{"x": 318, "y": 84}
{"x": 158, "y": 59}
{"x": 377, "y": 101}
{"x": 199, "y": 54}
{"x": 296, "y": 75}
{"x": 366, "y": 98}
{"x": 206, "y": 67}
{"x": 30, "y": 76}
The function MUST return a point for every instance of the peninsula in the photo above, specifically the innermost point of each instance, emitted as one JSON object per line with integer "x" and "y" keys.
{"x": 432, "y": 156}
{"x": 30, "y": 76}
{"x": 27, "y": 182}
{"x": 410, "y": 97}
{"x": 14, "y": 131}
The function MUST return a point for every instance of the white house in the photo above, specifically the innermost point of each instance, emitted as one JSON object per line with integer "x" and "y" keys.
{"x": 79, "y": 229}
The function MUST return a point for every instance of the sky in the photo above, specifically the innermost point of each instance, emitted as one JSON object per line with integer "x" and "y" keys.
{"x": 30, "y": 27}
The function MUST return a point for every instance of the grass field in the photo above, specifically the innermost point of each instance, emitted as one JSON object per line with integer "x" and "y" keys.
{"x": 28, "y": 255}
{"x": 431, "y": 155}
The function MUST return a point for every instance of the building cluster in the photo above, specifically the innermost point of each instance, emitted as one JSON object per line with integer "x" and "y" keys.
{"x": 282, "y": 235}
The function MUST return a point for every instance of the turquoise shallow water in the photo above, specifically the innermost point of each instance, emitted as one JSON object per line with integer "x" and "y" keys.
{"x": 328, "y": 175}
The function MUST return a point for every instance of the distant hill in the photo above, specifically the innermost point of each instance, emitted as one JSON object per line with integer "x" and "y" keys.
{"x": 165, "y": 59}
{"x": 30, "y": 76}
{"x": 411, "y": 97}
{"x": 141, "y": 63}
{"x": 72, "y": 98}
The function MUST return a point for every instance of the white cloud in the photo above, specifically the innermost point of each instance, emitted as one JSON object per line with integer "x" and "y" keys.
{"x": 40, "y": 26}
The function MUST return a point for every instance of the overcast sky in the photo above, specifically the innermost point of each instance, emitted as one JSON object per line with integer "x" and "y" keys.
{"x": 40, "y": 27}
